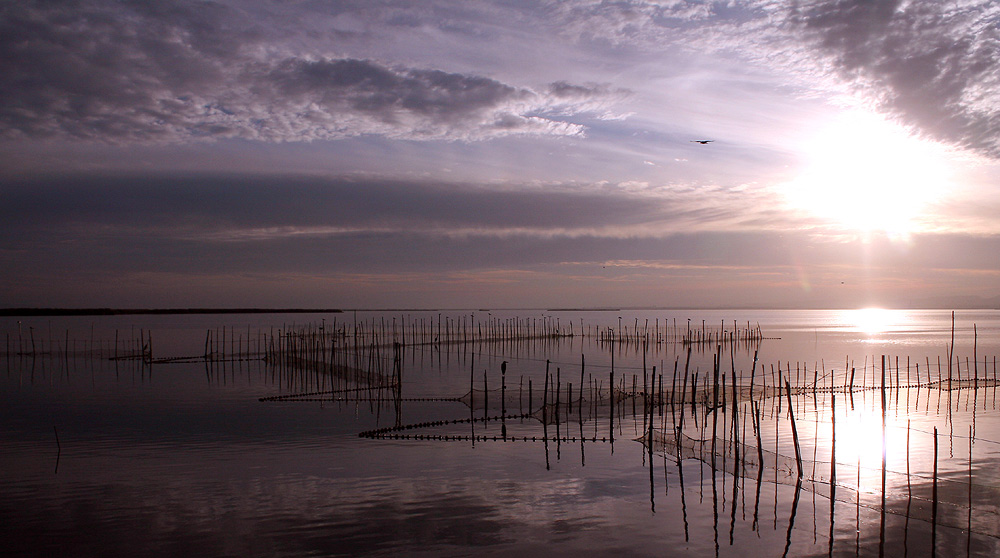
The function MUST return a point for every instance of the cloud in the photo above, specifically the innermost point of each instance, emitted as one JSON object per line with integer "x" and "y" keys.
{"x": 217, "y": 223}
{"x": 342, "y": 97}
{"x": 66, "y": 238}
{"x": 128, "y": 72}
{"x": 197, "y": 224}
{"x": 624, "y": 23}
{"x": 932, "y": 64}
{"x": 242, "y": 207}
{"x": 566, "y": 99}
{"x": 137, "y": 72}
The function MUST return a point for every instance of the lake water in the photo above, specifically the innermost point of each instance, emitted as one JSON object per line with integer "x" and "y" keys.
{"x": 180, "y": 438}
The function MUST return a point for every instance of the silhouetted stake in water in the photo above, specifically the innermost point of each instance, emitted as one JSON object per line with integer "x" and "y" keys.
{"x": 649, "y": 448}
{"x": 545, "y": 390}
{"x": 934, "y": 497}
{"x": 558, "y": 393}
{"x": 579, "y": 411}
{"x": 881, "y": 537}
{"x": 715, "y": 512}
{"x": 687, "y": 364}
{"x": 530, "y": 394}
{"x": 545, "y": 423}
{"x": 795, "y": 432}
{"x": 760, "y": 457}
{"x": 737, "y": 465}
{"x": 736, "y": 425}
{"x": 968, "y": 539}
{"x": 850, "y": 390}
{"x": 975, "y": 356}
{"x": 58, "y": 448}
{"x": 833, "y": 466}
{"x": 715, "y": 405}
{"x": 472, "y": 397}
{"x": 611, "y": 390}
{"x": 503, "y": 400}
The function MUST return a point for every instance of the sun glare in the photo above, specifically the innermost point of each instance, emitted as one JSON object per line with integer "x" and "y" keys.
{"x": 872, "y": 320}
{"x": 866, "y": 174}
{"x": 859, "y": 437}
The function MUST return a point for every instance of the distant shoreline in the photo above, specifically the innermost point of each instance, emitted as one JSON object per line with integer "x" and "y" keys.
{"x": 7, "y": 312}
{"x": 35, "y": 312}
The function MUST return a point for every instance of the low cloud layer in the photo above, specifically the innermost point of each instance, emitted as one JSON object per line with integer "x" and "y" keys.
{"x": 240, "y": 207}
{"x": 128, "y": 72}
{"x": 263, "y": 224}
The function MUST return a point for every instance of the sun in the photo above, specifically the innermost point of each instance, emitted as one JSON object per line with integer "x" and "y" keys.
{"x": 865, "y": 174}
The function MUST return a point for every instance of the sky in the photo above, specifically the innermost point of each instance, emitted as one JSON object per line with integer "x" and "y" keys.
{"x": 499, "y": 154}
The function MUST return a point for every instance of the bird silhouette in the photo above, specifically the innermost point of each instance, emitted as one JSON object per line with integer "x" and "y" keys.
{"x": 703, "y": 142}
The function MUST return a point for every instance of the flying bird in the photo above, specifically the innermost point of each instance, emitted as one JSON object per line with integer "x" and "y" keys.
{"x": 703, "y": 142}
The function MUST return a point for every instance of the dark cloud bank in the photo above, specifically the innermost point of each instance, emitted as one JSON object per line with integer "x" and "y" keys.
{"x": 217, "y": 223}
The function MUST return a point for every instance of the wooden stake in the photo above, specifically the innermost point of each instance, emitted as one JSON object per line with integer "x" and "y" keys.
{"x": 795, "y": 432}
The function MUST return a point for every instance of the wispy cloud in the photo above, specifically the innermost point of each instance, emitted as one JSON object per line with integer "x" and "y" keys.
{"x": 626, "y": 23}
{"x": 932, "y": 64}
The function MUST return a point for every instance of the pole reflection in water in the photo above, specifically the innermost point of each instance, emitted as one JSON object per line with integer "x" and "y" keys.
{"x": 715, "y": 511}
{"x": 791, "y": 517}
{"x": 680, "y": 480}
{"x": 833, "y": 468}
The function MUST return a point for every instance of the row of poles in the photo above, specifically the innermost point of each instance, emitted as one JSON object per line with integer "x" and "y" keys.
{"x": 136, "y": 345}
{"x": 558, "y": 403}
{"x": 467, "y": 328}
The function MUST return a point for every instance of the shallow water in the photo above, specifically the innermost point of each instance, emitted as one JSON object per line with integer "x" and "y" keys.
{"x": 112, "y": 457}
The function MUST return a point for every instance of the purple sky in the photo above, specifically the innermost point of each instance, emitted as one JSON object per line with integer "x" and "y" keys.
{"x": 462, "y": 154}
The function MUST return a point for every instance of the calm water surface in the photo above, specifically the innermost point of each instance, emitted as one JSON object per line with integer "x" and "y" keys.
{"x": 106, "y": 457}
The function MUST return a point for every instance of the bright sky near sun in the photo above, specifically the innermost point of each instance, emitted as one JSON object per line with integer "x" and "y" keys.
{"x": 865, "y": 174}
{"x": 499, "y": 154}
